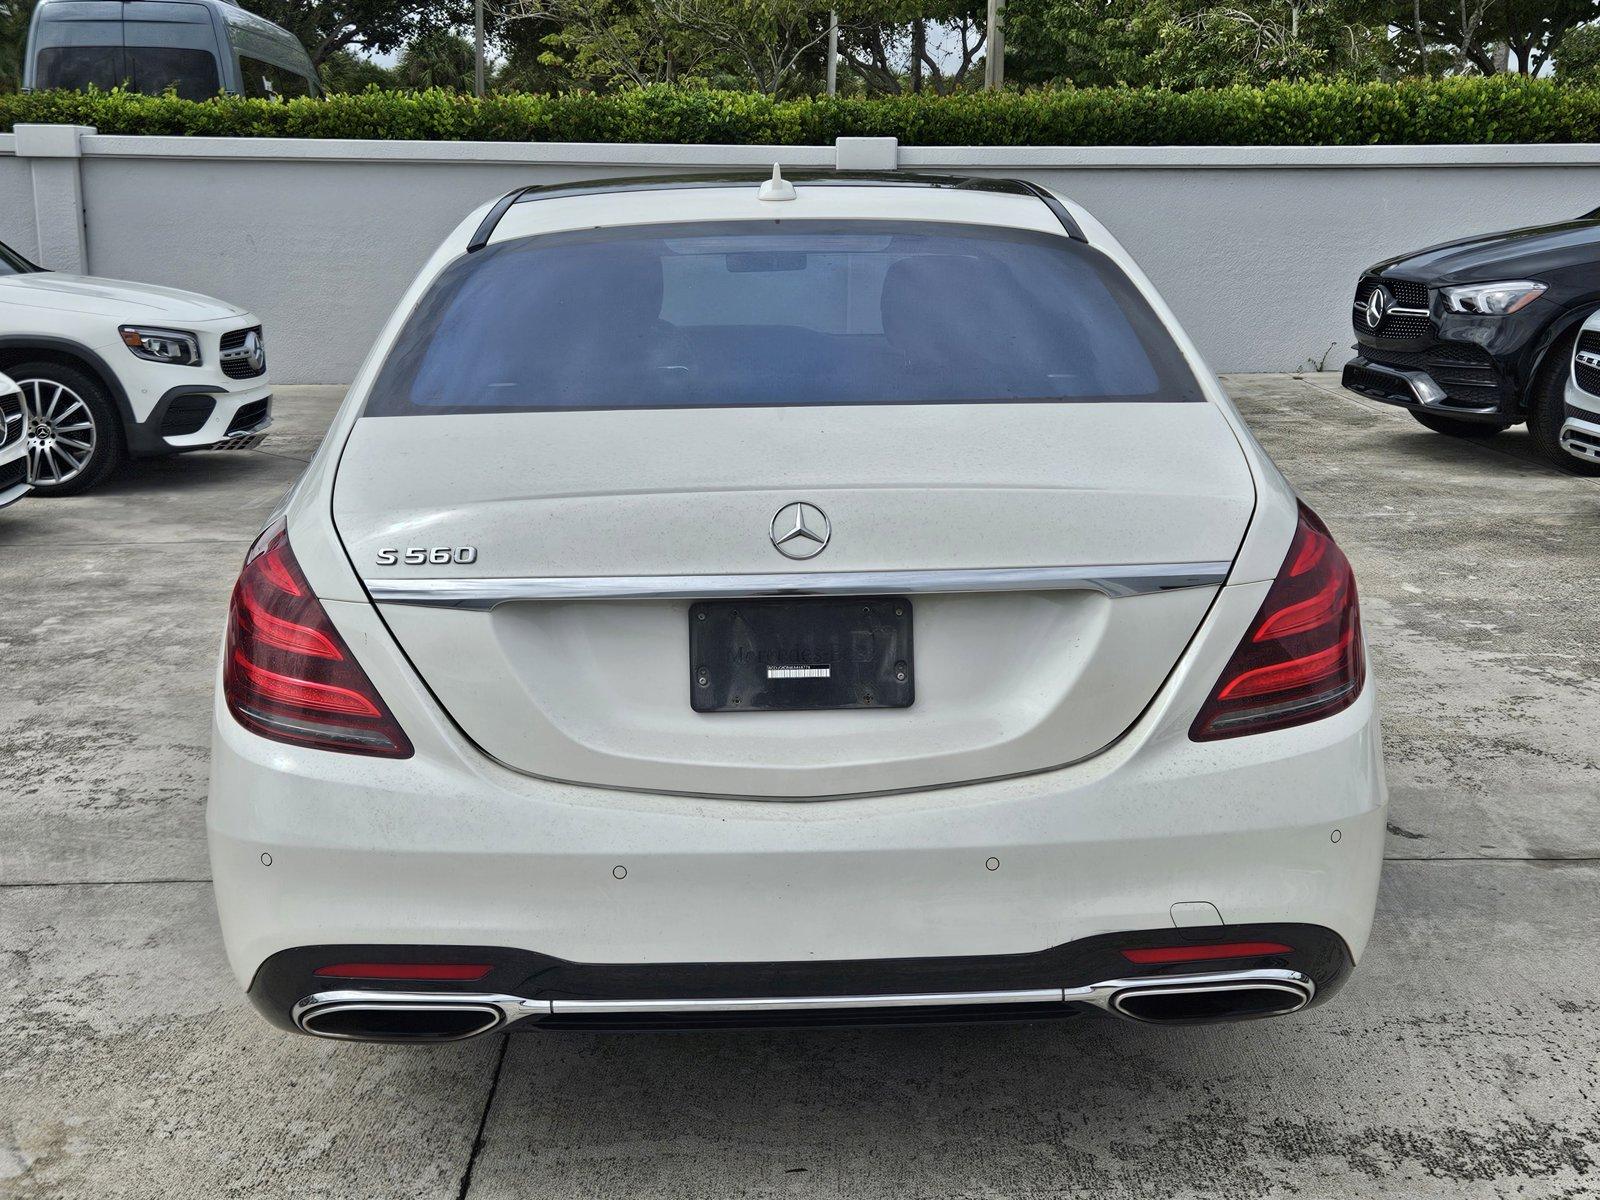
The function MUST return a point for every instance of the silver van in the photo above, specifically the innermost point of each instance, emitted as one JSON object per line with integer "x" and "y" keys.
{"x": 197, "y": 47}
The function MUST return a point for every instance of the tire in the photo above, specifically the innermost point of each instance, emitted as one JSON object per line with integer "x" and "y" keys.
{"x": 1455, "y": 427}
{"x": 1547, "y": 409}
{"x": 75, "y": 436}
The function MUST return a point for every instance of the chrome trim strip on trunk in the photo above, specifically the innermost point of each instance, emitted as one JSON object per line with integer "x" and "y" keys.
{"x": 1134, "y": 579}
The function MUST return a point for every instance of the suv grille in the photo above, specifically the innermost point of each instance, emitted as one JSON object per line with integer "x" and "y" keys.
{"x": 1407, "y": 293}
{"x": 236, "y": 362}
{"x": 11, "y": 418}
{"x": 1588, "y": 373}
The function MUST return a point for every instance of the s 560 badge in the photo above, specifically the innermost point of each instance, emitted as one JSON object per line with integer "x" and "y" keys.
{"x": 416, "y": 556}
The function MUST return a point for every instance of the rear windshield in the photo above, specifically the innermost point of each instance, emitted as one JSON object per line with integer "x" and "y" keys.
{"x": 153, "y": 69}
{"x": 150, "y": 69}
{"x": 760, "y": 313}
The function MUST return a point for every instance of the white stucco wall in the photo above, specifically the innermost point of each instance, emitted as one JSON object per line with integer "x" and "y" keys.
{"x": 1257, "y": 249}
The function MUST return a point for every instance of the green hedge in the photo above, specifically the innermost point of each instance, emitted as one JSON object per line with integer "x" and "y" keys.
{"x": 1509, "y": 109}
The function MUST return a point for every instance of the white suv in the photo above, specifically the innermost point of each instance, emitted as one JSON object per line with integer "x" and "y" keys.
{"x": 13, "y": 452}
{"x": 109, "y": 369}
{"x": 1580, "y": 431}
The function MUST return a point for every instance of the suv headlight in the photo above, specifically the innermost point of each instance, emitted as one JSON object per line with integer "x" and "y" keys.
{"x": 162, "y": 345}
{"x": 1492, "y": 299}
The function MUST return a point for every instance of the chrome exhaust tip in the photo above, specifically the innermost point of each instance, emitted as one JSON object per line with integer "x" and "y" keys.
{"x": 370, "y": 1017}
{"x": 1215, "y": 999}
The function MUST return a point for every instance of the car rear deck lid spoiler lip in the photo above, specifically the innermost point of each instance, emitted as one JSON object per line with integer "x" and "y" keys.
{"x": 1116, "y": 580}
{"x": 590, "y": 187}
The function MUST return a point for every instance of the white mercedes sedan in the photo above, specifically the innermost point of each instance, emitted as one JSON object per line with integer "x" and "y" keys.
{"x": 834, "y": 600}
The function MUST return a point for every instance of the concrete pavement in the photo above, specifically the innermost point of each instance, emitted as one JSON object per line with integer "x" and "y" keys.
{"x": 1459, "y": 1062}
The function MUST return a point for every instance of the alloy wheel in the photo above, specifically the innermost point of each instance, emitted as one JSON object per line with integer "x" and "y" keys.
{"x": 61, "y": 431}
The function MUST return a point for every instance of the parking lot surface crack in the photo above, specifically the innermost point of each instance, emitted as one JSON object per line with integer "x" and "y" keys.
{"x": 483, "y": 1119}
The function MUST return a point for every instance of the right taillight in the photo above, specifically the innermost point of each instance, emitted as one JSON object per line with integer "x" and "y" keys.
{"x": 287, "y": 674}
{"x": 1301, "y": 658}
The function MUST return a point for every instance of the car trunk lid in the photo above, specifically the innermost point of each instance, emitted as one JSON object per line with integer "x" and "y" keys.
{"x": 597, "y": 690}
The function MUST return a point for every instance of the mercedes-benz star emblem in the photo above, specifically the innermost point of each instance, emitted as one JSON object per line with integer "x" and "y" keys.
{"x": 1377, "y": 304}
{"x": 800, "y": 530}
{"x": 252, "y": 352}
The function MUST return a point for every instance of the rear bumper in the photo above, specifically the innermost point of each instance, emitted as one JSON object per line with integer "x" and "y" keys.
{"x": 536, "y": 991}
{"x": 612, "y": 893}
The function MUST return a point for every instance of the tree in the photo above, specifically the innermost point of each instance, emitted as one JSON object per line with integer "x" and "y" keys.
{"x": 1579, "y": 58}
{"x": 343, "y": 71}
{"x": 764, "y": 41}
{"x": 437, "y": 60}
{"x": 325, "y": 27}
{"x": 608, "y": 43}
{"x": 885, "y": 44}
{"x": 1464, "y": 35}
{"x": 774, "y": 46}
{"x": 1193, "y": 43}
{"x": 14, "y": 17}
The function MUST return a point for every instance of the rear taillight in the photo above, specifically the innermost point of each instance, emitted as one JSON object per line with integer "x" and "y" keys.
{"x": 287, "y": 674}
{"x": 1301, "y": 658}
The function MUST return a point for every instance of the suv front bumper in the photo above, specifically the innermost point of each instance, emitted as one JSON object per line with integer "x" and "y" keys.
{"x": 1580, "y": 432}
{"x": 1418, "y": 390}
{"x": 205, "y": 417}
{"x": 1460, "y": 365}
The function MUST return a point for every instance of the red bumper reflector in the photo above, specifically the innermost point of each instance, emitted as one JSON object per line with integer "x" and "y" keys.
{"x": 429, "y": 971}
{"x": 1155, "y": 955}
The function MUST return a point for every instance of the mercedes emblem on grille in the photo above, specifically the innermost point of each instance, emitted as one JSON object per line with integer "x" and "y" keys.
{"x": 252, "y": 352}
{"x": 800, "y": 530}
{"x": 1377, "y": 304}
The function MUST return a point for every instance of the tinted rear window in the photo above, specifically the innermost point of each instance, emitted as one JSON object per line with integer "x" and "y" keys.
{"x": 192, "y": 73}
{"x": 779, "y": 313}
{"x": 79, "y": 67}
{"x": 149, "y": 69}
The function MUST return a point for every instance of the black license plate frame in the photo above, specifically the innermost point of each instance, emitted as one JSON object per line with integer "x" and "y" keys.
{"x": 801, "y": 654}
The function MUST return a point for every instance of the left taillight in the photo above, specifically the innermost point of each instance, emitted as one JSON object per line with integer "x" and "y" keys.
{"x": 287, "y": 674}
{"x": 1302, "y": 657}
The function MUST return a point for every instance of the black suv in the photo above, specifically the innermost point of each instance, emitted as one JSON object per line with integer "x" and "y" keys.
{"x": 1475, "y": 336}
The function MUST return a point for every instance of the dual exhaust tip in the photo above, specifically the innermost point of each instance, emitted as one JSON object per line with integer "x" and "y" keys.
{"x": 1169, "y": 1000}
